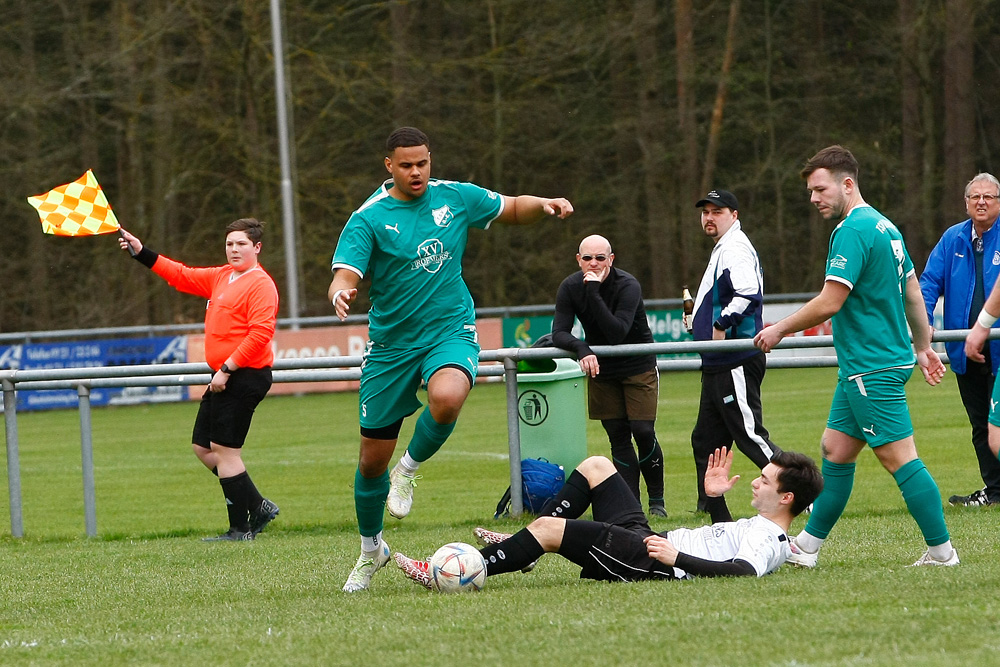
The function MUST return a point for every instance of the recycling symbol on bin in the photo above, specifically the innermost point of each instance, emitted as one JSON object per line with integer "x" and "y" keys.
{"x": 532, "y": 407}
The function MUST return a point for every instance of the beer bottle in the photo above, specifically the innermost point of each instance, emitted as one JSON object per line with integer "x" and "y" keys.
{"x": 688, "y": 318}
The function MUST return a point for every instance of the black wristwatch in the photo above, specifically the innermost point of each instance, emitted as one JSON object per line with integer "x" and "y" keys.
{"x": 225, "y": 369}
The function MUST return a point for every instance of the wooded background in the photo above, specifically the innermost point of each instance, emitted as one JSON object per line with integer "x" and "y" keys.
{"x": 632, "y": 109}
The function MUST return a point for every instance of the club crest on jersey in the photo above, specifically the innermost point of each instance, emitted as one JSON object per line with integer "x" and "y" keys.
{"x": 996, "y": 258}
{"x": 442, "y": 216}
{"x": 432, "y": 256}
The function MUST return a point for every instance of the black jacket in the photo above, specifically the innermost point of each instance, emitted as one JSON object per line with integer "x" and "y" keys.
{"x": 612, "y": 313}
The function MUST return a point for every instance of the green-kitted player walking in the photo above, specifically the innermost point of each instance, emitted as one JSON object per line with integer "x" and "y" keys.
{"x": 409, "y": 238}
{"x": 871, "y": 292}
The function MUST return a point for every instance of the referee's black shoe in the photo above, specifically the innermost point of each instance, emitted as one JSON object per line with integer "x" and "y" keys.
{"x": 262, "y": 516}
{"x": 232, "y": 535}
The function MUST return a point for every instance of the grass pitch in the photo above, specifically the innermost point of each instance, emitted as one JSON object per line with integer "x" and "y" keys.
{"x": 148, "y": 591}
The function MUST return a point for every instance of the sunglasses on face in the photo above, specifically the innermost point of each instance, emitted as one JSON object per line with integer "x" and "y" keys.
{"x": 599, "y": 258}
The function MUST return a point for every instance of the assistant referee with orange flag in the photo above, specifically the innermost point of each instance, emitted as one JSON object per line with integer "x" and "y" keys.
{"x": 240, "y": 320}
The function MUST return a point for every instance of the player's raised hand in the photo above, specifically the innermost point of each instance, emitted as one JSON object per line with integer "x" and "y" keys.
{"x": 559, "y": 207}
{"x": 717, "y": 479}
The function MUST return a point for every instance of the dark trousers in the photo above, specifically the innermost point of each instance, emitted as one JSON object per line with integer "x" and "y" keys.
{"x": 976, "y": 389}
{"x": 729, "y": 412}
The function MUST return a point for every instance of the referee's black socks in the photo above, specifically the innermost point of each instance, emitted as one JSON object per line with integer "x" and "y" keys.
{"x": 241, "y": 495}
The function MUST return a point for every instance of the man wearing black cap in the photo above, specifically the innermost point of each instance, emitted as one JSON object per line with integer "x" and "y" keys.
{"x": 728, "y": 307}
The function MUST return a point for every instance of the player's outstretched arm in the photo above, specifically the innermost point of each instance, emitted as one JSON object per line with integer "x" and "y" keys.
{"x": 343, "y": 290}
{"x": 529, "y": 209}
{"x": 819, "y": 309}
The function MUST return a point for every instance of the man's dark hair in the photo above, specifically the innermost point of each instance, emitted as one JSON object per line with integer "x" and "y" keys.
{"x": 798, "y": 473}
{"x": 406, "y": 136}
{"x": 836, "y": 159}
{"x": 253, "y": 227}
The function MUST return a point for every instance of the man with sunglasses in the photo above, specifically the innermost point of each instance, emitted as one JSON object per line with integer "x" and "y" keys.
{"x": 621, "y": 391}
{"x": 728, "y": 307}
{"x": 962, "y": 268}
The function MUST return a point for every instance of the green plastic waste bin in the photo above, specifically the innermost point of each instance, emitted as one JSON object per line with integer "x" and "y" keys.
{"x": 551, "y": 411}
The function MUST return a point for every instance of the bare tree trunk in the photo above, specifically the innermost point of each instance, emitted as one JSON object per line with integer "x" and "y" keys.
{"x": 651, "y": 131}
{"x": 630, "y": 229}
{"x": 41, "y": 301}
{"x": 495, "y": 69}
{"x": 687, "y": 128}
{"x": 400, "y": 18}
{"x": 959, "y": 114}
{"x": 917, "y": 130}
{"x": 715, "y": 128}
{"x": 772, "y": 153}
{"x": 911, "y": 128}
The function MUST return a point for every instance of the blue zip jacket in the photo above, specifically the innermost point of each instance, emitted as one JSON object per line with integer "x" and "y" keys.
{"x": 951, "y": 273}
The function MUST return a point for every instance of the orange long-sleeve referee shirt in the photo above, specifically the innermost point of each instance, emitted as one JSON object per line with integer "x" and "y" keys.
{"x": 241, "y": 315}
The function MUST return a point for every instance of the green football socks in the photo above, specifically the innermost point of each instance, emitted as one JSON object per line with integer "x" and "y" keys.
{"x": 923, "y": 499}
{"x": 428, "y": 436}
{"x": 838, "y": 482}
{"x": 369, "y": 502}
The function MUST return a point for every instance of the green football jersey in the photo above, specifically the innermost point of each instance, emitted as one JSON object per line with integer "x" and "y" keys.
{"x": 412, "y": 252}
{"x": 868, "y": 255}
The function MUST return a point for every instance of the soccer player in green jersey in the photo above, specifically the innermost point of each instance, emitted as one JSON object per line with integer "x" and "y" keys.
{"x": 871, "y": 292}
{"x": 408, "y": 238}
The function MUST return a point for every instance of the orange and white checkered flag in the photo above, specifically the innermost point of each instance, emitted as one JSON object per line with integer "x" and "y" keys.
{"x": 76, "y": 209}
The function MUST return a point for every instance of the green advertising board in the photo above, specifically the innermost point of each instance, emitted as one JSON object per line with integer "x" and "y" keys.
{"x": 666, "y": 326}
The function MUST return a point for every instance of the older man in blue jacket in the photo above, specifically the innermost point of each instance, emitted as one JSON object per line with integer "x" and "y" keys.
{"x": 962, "y": 268}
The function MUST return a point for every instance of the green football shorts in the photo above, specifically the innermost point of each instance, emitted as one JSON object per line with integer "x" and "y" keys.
{"x": 391, "y": 377}
{"x": 872, "y": 407}
{"x": 994, "y": 400}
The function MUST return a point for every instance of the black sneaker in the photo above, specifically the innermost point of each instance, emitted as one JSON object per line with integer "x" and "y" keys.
{"x": 232, "y": 535}
{"x": 657, "y": 510}
{"x": 974, "y": 499}
{"x": 262, "y": 516}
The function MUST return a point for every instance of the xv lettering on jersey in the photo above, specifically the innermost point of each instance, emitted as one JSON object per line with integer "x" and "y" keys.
{"x": 431, "y": 256}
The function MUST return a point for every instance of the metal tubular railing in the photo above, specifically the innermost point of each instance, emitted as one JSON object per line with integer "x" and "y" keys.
{"x": 324, "y": 369}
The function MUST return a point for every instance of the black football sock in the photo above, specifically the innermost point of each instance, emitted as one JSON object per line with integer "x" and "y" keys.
{"x": 252, "y": 495}
{"x": 513, "y": 554}
{"x": 650, "y": 459}
{"x": 236, "y": 504}
{"x": 622, "y": 452}
{"x": 572, "y": 500}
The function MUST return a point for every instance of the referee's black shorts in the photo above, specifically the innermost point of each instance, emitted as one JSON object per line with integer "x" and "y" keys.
{"x": 224, "y": 417}
{"x": 611, "y": 547}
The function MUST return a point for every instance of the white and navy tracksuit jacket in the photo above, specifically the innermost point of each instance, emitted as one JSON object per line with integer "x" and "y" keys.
{"x": 730, "y": 295}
